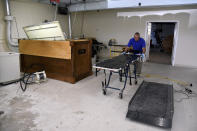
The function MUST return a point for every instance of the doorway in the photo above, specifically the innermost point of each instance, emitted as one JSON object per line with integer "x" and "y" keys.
{"x": 160, "y": 42}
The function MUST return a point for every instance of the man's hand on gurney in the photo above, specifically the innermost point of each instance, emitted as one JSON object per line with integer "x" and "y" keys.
{"x": 142, "y": 55}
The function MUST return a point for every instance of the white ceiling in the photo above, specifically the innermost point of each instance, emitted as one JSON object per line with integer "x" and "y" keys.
{"x": 77, "y": 1}
{"x": 82, "y": 5}
{"x": 72, "y": 1}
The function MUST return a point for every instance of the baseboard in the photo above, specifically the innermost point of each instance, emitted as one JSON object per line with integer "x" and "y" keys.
{"x": 187, "y": 66}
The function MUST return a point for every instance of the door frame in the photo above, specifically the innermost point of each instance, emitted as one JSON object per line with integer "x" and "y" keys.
{"x": 175, "y": 40}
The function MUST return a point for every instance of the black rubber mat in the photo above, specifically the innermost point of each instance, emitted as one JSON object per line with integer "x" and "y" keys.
{"x": 117, "y": 62}
{"x": 152, "y": 104}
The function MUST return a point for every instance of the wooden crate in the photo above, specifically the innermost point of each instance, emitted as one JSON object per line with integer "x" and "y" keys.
{"x": 68, "y": 61}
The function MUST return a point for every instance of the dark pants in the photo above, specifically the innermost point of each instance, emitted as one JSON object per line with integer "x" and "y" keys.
{"x": 138, "y": 67}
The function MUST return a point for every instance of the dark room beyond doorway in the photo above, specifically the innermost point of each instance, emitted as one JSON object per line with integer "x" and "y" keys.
{"x": 161, "y": 42}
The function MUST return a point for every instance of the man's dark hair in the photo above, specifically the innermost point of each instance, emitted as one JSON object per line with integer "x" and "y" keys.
{"x": 137, "y": 33}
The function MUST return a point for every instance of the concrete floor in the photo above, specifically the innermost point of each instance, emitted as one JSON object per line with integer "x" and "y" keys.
{"x": 160, "y": 58}
{"x": 155, "y": 56}
{"x": 60, "y": 106}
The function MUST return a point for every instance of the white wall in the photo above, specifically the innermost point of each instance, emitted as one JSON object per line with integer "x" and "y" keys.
{"x": 105, "y": 25}
{"x": 27, "y": 13}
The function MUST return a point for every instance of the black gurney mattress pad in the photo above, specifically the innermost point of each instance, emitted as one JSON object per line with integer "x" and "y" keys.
{"x": 152, "y": 104}
{"x": 117, "y": 62}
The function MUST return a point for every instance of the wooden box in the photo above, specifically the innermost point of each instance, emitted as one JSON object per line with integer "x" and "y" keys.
{"x": 68, "y": 61}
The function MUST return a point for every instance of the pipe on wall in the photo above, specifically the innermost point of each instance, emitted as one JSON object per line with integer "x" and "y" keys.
{"x": 9, "y": 19}
{"x": 69, "y": 25}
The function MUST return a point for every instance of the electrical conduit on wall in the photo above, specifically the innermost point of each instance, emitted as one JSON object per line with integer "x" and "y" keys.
{"x": 8, "y": 18}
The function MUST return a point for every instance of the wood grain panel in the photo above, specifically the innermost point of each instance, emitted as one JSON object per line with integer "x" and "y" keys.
{"x": 82, "y": 60}
{"x": 59, "y": 69}
{"x": 70, "y": 70}
{"x": 54, "y": 49}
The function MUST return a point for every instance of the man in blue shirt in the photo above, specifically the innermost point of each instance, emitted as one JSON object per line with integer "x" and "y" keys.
{"x": 137, "y": 43}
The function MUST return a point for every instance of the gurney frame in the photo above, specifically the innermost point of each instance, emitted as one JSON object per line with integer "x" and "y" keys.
{"x": 123, "y": 72}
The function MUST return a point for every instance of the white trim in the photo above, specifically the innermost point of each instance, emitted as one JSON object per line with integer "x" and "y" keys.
{"x": 175, "y": 41}
{"x": 103, "y": 68}
{"x": 185, "y": 66}
{"x": 146, "y": 40}
{"x": 156, "y": 12}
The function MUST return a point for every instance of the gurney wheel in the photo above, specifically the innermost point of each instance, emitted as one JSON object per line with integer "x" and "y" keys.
{"x": 120, "y": 95}
{"x": 104, "y": 92}
{"x": 136, "y": 82}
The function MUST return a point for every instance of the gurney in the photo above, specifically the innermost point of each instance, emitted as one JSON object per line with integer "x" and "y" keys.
{"x": 121, "y": 65}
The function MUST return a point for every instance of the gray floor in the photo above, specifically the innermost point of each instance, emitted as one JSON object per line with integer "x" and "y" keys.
{"x": 159, "y": 57}
{"x": 60, "y": 106}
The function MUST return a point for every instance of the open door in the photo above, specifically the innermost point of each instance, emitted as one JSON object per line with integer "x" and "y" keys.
{"x": 161, "y": 39}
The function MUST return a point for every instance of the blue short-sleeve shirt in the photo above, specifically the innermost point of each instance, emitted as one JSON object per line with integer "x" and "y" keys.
{"x": 137, "y": 45}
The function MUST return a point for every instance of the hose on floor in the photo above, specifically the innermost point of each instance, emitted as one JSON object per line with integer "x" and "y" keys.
{"x": 186, "y": 91}
{"x": 26, "y": 79}
{"x": 182, "y": 83}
